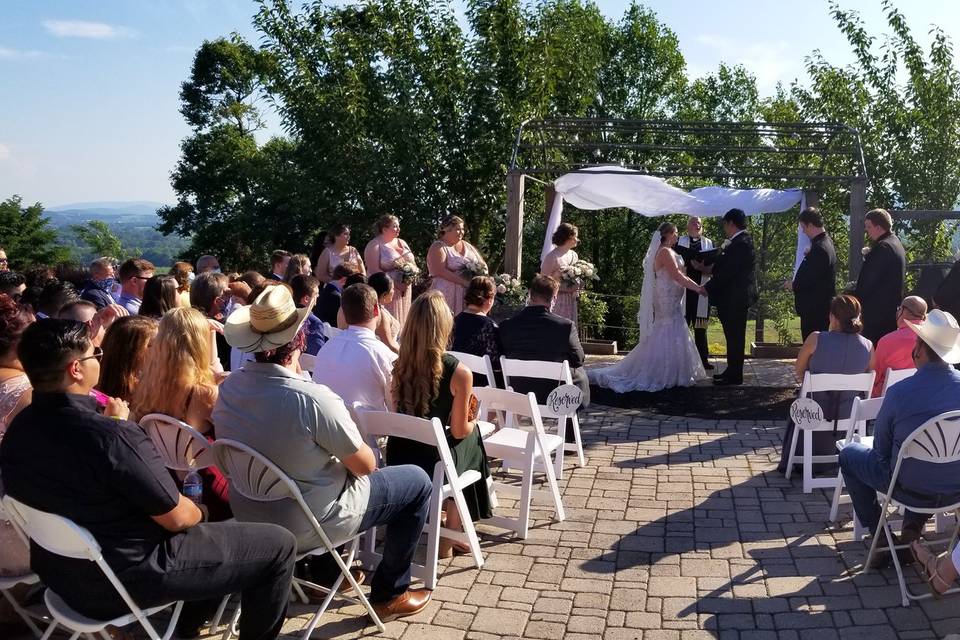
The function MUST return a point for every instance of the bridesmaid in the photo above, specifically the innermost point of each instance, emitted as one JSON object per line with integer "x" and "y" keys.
{"x": 565, "y": 240}
{"x": 337, "y": 251}
{"x": 446, "y": 260}
{"x": 383, "y": 254}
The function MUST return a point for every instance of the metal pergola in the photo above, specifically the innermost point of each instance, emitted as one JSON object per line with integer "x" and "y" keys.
{"x": 734, "y": 154}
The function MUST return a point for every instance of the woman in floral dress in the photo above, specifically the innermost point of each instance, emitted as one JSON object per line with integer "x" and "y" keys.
{"x": 449, "y": 259}
{"x": 386, "y": 253}
{"x": 337, "y": 251}
{"x": 565, "y": 240}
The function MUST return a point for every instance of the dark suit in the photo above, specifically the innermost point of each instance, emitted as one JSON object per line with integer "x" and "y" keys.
{"x": 947, "y": 297}
{"x": 534, "y": 333}
{"x": 733, "y": 290}
{"x": 815, "y": 285}
{"x": 880, "y": 286}
{"x": 328, "y": 304}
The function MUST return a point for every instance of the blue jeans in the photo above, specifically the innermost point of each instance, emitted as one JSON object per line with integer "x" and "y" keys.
{"x": 399, "y": 499}
{"x": 864, "y": 475}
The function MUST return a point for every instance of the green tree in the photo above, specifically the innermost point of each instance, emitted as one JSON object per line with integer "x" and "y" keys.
{"x": 26, "y": 235}
{"x": 100, "y": 240}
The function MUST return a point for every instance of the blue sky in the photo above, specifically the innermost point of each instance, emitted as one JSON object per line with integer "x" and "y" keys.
{"x": 90, "y": 110}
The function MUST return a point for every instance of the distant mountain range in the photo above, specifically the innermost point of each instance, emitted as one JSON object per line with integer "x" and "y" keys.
{"x": 133, "y": 212}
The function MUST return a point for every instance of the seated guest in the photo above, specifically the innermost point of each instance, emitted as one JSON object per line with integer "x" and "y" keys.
{"x": 12, "y": 284}
{"x": 534, "y": 333}
{"x": 134, "y": 274}
{"x": 124, "y": 350}
{"x": 177, "y": 381}
{"x": 297, "y": 264}
{"x": 388, "y": 329}
{"x": 53, "y": 297}
{"x": 429, "y": 383}
{"x": 932, "y": 390}
{"x": 894, "y": 350}
{"x": 209, "y": 293}
{"x": 329, "y": 303}
{"x": 354, "y": 364}
{"x": 15, "y": 394}
{"x": 473, "y": 331}
{"x": 252, "y": 278}
{"x": 98, "y": 287}
{"x": 208, "y": 263}
{"x": 183, "y": 274}
{"x": 840, "y": 350}
{"x": 150, "y": 535}
{"x": 305, "y": 429}
{"x": 278, "y": 264}
{"x": 159, "y": 296}
{"x": 305, "y": 289}
{"x": 356, "y": 278}
{"x": 97, "y": 321}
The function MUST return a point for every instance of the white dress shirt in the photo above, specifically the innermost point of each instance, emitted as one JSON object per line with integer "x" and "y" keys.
{"x": 356, "y": 366}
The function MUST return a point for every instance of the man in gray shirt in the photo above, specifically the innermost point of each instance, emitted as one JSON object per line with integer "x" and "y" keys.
{"x": 305, "y": 429}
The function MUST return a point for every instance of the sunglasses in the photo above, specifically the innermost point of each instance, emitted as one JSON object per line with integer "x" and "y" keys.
{"x": 97, "y": 354}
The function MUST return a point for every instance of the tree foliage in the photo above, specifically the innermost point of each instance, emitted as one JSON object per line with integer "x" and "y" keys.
{"x": 27, "y": 236}
{"x": 100, "y": 240}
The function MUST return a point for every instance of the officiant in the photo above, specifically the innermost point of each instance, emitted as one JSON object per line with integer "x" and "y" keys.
{"x": 690, "y": 246}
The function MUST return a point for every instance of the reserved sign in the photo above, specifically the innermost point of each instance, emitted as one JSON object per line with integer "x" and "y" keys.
{"x": 806, "y": 412}
{"x": 565, "y": 399}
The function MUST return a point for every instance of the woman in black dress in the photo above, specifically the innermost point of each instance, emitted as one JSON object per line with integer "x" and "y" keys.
{"x": 473, "y": 331}
{"x": 429, "y": 383}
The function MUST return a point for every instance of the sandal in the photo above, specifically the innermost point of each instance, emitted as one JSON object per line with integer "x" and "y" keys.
{"x": 929, "y": 570}
{"x": 448, "y": 548}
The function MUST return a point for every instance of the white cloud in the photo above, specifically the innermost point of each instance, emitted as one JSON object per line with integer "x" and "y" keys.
{"x": 85, "y": 29}
{"x": 4, "y": 152}
{"x": 7, "y": 53}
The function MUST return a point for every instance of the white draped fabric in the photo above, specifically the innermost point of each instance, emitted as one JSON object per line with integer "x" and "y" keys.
{"x": 609, "y": 187}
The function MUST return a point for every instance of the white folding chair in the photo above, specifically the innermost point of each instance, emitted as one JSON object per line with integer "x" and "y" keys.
{"x": 63, "y": 537}
{"x": 814, "y": 383}
{"x": 308, "y": 362}
{"x": 9, "y": 582}
{"x": 894, "y": 376}
{"x": 331, "y": 331}
{"x": 484, "y": 366}
{"x": 256, "y": 478}
{"x": 183, "y": 448}
{"x": 936, "y": 441}
{"x": 532, "y": 447}
{"x": 559, "y": 373}
{"x": 447, "y": 483}
{"x": 863, "y": 410}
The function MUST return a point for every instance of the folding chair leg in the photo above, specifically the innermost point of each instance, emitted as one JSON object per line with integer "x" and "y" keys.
{"x": 807, "y": 463}
{"x": 526, "y": 489}
{"x": 876, "y": 536}
{"x": 791, "y": 455}
{"x": 837, "y": 491}
{"x": 575, "y": 424}
{"x": 433, "y": 538}
{"x": 20, "y": 611}
{"x": 558, "y": 461}
{"x": 471, "y": 532}
{"x": 50, "y": 629}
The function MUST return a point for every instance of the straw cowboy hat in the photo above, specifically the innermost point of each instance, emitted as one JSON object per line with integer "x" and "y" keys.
{"x": 941, "y": 333}
{"x": 270, "y": 322}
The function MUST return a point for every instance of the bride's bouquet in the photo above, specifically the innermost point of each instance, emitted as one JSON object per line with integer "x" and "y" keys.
{"x": 409, "y": 271}
{"x": 510, "y": 290}
{"x": 578, "y": 274}
{"x": 473, "y": 268}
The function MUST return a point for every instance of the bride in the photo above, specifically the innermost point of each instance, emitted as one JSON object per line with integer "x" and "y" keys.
{"x": 665, "y": 355}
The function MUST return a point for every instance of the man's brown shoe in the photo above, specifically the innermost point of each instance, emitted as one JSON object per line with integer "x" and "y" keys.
{"x": 409, "y": 603}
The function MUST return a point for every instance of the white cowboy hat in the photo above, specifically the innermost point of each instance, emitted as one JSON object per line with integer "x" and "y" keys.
{"x": 270, "y": 322}
{"x": 941, "y": 333}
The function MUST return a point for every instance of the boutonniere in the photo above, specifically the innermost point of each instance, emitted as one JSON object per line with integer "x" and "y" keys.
{"x": 724, "y": 245}
{"x": 806, "y": 250}
{"x": 864, "y": 251}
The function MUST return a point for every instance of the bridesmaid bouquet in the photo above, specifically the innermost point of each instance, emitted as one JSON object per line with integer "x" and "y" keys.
{"x": 510, "y": 290}
{"x": 578, "y": 274}
{"x": 409, "y": 271}
{"x": 473, "y": 268}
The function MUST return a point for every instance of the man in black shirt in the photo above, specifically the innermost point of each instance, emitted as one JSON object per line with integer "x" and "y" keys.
{"x": 62, "y": 456}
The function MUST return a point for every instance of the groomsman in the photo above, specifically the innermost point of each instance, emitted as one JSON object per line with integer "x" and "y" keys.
{"x": 880, "y": 285}
{"x": 733, "y": 290}
{"x": 814, "y": 284}
{"x": 698, "y": 307}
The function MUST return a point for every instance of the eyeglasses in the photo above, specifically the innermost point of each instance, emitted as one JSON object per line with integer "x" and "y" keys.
{"x": 97, "y": 354}
{"x": 141, "y": 277}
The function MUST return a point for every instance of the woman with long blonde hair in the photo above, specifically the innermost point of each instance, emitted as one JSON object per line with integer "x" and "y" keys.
{"x": 430, "y": 383}
{"x": 177, "y": 380}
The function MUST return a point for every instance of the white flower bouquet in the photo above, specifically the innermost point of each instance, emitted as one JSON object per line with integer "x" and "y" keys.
{"x": 510, "y": 290}
{"x": 409, "y": 271}
{"x": 578, "y": 274}
{"x": 473, "y": 268}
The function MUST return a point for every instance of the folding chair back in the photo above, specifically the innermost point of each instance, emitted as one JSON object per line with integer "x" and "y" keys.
{"x": 63, "y": 537}
{"x": 893, "y": 376}
{"x": 255, "y": 477}
{"x": 559, "y": 373}
{"x": 447, "y": 483}
{"x": 529, "y": 450}
{"x": 308, "y": 362}
{"x": 477, "y": 364}
{"x": 860, "y": 414}
{"x": 181, "y": 446}
{"x": 936, "y": 441}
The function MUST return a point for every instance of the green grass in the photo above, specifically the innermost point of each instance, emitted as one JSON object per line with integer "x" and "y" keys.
{"x": 718, "y": 344}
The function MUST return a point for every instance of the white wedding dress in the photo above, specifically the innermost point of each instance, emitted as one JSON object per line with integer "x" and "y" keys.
{"x": 666, "y": 355}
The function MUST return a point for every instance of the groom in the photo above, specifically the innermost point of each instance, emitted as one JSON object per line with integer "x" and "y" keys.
{"x": 732, "y": 290}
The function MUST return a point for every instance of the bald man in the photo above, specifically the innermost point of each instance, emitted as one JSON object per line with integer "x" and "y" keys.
{"x": 895, "y": 350}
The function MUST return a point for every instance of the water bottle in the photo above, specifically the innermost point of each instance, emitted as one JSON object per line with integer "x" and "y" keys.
{"x": 193, "y": 486}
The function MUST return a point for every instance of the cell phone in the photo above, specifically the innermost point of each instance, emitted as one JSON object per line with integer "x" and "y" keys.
{"x": 100, "y": 397}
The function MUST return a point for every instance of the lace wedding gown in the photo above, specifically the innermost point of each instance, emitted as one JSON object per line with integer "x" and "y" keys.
{"x": 667, "y": 357}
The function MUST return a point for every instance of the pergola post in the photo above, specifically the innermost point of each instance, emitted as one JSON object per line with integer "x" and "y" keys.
{"x": 811, "y": 198}
{"x": 858, "y": 209}
{"x": 514, "y": 239}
